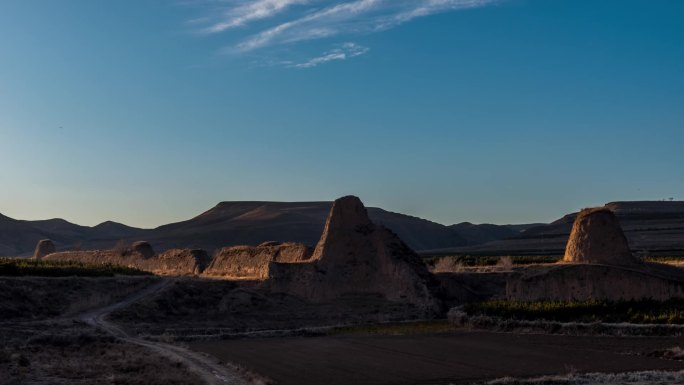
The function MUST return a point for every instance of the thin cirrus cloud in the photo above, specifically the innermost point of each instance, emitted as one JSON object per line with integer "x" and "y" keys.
{"x": 294, "y": 21}
{"x": 344, "y": 52}
{"x": 248, "y": 11}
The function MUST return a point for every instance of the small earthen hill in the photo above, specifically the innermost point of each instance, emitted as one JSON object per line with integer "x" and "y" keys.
{"x": 354, "y": 255}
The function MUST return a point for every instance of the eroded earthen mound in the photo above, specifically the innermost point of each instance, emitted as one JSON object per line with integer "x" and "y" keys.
{"x": 43, "y": 248}
{"x": 356, "y": 256}
{"x": 141, "y": 256}
{"x": 179, "y": 262}
{"x": 252, "y": 262}
{"x": 597, "y": 238}
{"x": 143, "y": 248}
{"x": 598, "y": 265}
{"x": 115, "y": 257}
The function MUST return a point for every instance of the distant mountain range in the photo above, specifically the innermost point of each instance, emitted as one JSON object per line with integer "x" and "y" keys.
{"x": 651, "y": 227}
{"x": 242, "y": 223}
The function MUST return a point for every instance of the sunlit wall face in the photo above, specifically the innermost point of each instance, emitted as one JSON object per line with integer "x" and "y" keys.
{"x": 508, "y": 111}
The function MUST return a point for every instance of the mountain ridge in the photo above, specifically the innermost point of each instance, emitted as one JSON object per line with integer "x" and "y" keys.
{"x": 228, "y": 223}
{"x": 648, "y": 224}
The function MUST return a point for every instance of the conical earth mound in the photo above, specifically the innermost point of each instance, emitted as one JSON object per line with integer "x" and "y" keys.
{"x": 354, "y": 255}
{"x": 43, "y": 248}
{"x": 597, "y": 238}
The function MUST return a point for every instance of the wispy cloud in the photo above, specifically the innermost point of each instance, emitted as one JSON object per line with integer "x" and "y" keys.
{"x": 344, "y": 52}
{"x": 294, "y": 21}
{"x": 248, "y": 11}
{"x": 353, "y": 17}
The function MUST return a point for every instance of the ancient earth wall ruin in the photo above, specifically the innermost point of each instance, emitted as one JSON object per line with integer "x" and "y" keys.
{"x": 596, "y": 282}
{"x": 141, "y": 256}
{"x": 251, "y": 262}
{"x": 179, "y": 262}
{"x": 597, "y": 265}
{"x": 597, "y": 238}
{"x": 115, "y": 257}
{"x": 43, "y": 248}
{"x": 356, "y": 256}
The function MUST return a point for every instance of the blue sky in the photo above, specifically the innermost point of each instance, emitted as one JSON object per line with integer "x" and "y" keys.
{"x": 151, "y": 111}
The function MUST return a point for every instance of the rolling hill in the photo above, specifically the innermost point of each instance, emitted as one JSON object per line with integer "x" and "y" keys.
{"x": 238, "y": 223}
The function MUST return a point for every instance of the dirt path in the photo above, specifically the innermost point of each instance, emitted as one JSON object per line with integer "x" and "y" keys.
{"x": 208, "y": 368}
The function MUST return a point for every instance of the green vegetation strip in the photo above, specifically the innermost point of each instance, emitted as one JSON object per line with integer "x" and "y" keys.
{"x": 21, "y": 267}
{"x": 641, "y": 312}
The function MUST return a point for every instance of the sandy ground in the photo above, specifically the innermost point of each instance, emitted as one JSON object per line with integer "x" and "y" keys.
{"x": 455, "y": 358}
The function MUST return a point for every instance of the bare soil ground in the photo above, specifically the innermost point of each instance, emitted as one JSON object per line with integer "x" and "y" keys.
{"x": 66, "y": 354}
{"x": 67, "y": 339}
{"x": 59, "y": 331}
{"x": 453, "y": 358}
{"x": 208, "y": 369}
{"x": 37, "y": 298}
{"x": 197, "y": 308}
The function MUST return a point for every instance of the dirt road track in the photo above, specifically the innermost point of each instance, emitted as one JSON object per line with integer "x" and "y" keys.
{"x": 208, "y": 368}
